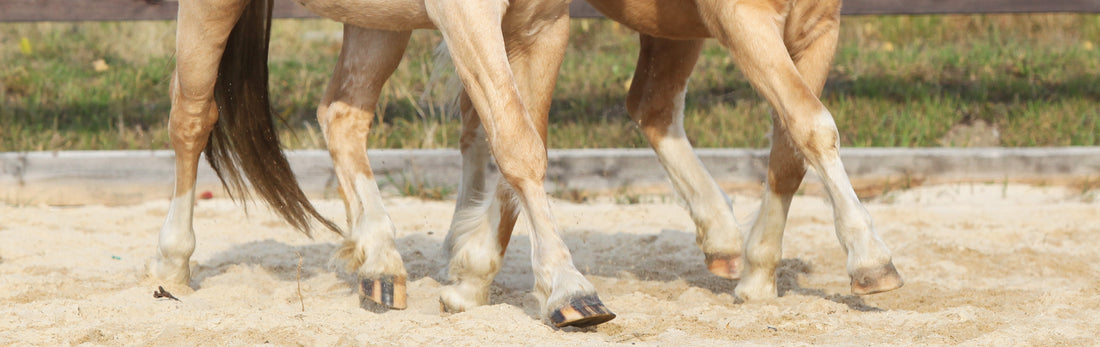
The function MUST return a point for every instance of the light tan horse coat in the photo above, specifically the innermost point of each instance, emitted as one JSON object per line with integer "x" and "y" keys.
{"x": 507, "y": 54}
{"x": 785, "y": 49}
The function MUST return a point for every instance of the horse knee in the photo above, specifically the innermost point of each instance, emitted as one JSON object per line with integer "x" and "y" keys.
{"x": 817, "y": 138}
{"x": 522, "y": 164}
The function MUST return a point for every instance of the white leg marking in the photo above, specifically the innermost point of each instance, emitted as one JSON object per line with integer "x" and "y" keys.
{"x": 474, "y": 255}
{"x": 854, "y": 228}
{"x": 370, "y": 244}
{"x": 717, "y": 230}
{"x": 764, "y": 248}
{"x": 557, "y": 279}
{"x": 176, "y": 242}
{"x": 472, "y": 248}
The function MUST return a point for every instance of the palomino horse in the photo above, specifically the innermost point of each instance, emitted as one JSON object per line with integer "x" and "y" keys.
{"x": 785, "y": 48}
{"x": 507, "y": 54}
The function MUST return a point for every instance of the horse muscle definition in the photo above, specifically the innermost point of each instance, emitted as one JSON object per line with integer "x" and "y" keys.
{"x": 507, "y": 54}
{"x": 785, "y": 49}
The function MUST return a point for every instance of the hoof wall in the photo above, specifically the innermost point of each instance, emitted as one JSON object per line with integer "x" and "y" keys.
{"x": 382, "y": 294}
{"x": 581, "y": 312}
{"x": 872, "y": 281}
{"x": 724, "y": 265}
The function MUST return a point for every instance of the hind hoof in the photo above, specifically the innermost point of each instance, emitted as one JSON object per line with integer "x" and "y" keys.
{"x": 724, "y": 265}
{"x": 382, "y": 294}
{"x": 871, "y": 281}
{"x": 581, "y": 312}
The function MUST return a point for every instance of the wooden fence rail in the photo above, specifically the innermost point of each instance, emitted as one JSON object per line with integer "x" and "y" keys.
{"x": 110, "y": 10}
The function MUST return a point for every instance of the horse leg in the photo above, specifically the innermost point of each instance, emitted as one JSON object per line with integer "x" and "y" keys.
{"x": 763, "y": 245}
{"x": 478, "y": 234}
{"x": 752, "y": 32}
{"x": 812, "y": 51}
{"x": 473, "y": 237}
{"x": 869, "y": 263}
{"x": 201, "y": 39}
{"x": 367, "y": 60}
{"x": 473, "y": 33}
{"x": 474, "y": 257}
{"x": 656, "y": 103}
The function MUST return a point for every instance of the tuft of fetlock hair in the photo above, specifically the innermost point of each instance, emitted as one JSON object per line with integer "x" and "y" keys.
{"x": 350, "y": 255}
{"x": 244, "y": 143}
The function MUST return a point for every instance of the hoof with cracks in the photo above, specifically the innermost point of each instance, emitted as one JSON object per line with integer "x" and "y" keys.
{"x": 581, "y": 312}
{"x": 871, "y": 281}
{"x": 724, "y": 265}
{"x": 382, "y": 294}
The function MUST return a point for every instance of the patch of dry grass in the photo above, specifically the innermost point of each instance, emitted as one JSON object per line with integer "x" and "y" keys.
{"x": 897, "y": 81}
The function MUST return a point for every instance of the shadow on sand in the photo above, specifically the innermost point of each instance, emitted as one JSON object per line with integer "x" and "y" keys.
{"x": 670, "y": 255}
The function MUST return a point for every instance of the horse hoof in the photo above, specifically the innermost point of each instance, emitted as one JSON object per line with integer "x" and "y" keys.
{"x": 581, "y": 312}
{"x": 446, "y": 307}
{"x": 382, "y": 294}
{"x": 458, "y": 298}
{"x": 724, "y": 265}
{"x": 871, "y": 281}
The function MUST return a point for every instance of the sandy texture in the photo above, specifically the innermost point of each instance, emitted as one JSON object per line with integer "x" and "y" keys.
{"x": 985, "y": 264}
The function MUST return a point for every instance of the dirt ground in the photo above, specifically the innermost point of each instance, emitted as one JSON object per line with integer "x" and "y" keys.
{"x": 984, "y": 264}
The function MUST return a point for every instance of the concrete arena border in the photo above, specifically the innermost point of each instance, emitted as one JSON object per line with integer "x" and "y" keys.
{"x": 123, "y": 177}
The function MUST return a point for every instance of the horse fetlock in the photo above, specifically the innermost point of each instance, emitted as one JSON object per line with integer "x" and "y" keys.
{"x": 718, "y": 233}
{"x": 369, "y": 262}
{"x": 470, "y": 277}
{"x": 473, "y": 249}
{"x": 463, "y": 296}
{"x": 756, "y": 285}
{"x": 475, "y": 268}
{"x": 172, "y": 272}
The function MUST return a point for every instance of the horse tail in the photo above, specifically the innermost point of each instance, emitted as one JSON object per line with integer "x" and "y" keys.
{"x": 444, "y": 87}
{"x": 244, "y": 139}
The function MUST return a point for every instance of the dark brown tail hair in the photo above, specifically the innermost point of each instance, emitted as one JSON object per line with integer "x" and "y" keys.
{"x": 244, "y": 138}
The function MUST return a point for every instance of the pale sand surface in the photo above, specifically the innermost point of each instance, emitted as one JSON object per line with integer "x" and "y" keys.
{"x": 984, "y": 264}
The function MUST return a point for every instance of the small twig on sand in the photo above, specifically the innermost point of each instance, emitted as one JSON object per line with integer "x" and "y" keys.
{"x": 300, "y": 282}
{"x": 161, "y": 293}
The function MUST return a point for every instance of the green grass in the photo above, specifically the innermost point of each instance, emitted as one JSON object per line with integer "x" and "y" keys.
{"x": 897, "y": 81}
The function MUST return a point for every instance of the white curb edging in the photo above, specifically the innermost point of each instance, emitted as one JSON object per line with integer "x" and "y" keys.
{"x": 79, "y": 177}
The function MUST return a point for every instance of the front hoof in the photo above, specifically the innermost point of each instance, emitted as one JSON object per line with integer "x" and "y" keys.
{"x": 581, "y": 312}
{"x": 871, "y": 281}
{"x": 382, "y": 294}
{"x": 724, "y": 265}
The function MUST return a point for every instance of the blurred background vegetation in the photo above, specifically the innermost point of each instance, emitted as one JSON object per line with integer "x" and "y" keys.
{"x": 897, "y": 81}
